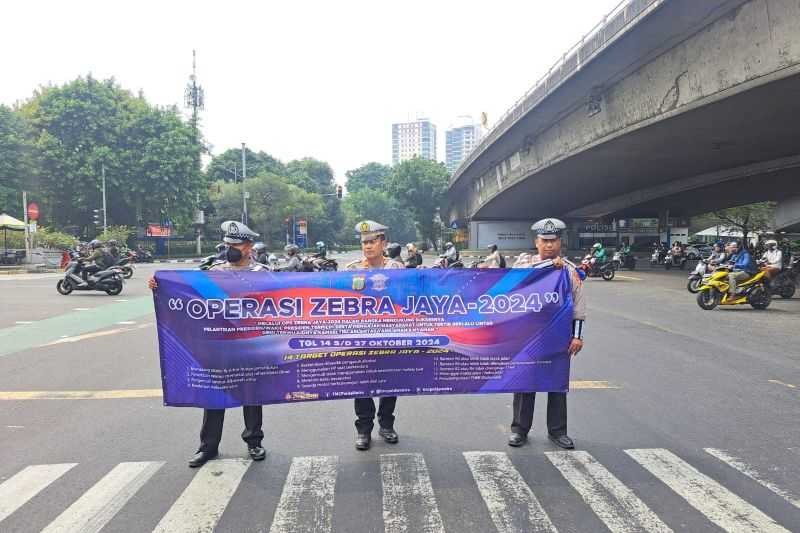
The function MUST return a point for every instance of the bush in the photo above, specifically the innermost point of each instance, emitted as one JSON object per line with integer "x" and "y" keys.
{"x": 121, "y": 234}
{"x": 43, "y": 238}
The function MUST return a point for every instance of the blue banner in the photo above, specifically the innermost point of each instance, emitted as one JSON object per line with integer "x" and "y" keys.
{"x": 234, "y": 338}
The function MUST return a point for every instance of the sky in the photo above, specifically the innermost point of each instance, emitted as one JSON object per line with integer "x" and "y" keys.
{"x": 324, "y": 79}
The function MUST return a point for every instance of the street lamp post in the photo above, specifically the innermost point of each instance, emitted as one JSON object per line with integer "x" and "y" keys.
{"x": 244, "y": 190}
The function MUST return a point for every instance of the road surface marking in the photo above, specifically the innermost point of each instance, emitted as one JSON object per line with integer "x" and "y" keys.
{"x": 307, "y": 496}
{"x": 752, "y": 473}
{"x": 98, "y": 505}
{"x": 97, "y": 334}
{"x": 777, "y": 382}
{"x": 26, "y": 484}
{"x": 510, "y": 501}
{"x": 80, "y": 394}
{"x": 127, "y": 322}
{"x": 81, "y": 309}
{"x": 23, "y": 322}
{"x": 201, "y": 505}
{"x": 718, "y": 504}
{"x": 590, "y": 384}
{"x": 121, "y": 300}
{"x": 408, "y": 500}
{"x": 620, "y": 276}
{"x": 614, "y": 503}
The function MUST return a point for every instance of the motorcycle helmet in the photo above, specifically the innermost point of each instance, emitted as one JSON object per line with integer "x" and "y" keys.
{"x": 597, "y": 246}
{"x": 291, "y": 249}
{"x": 393, "y": 250}
{"x": 112, "y": 242}
{"x": 95, "y": 244}
{"x": 259, "y": 247}
{"x": 448, "y": 244}
{"x": 320, "y": 245}
{"x": 219, "y": 247}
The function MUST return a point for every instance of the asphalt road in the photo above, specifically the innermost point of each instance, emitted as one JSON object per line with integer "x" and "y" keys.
{"x": 696, "y": 427}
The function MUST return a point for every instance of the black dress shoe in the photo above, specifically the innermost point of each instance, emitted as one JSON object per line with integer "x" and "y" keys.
{"x": 257, "y": 453}
{"x": 562, "y": 441}
{"x": 389, "y": 435}
{"x": 363, "y": 441}
{"x": 201, "y": 458}
{"x": 517, "y": 439}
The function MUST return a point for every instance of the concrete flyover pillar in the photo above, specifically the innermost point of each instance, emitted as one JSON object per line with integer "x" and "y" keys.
{"x": 787, "y": 214}
{"x": 506, "y": 234}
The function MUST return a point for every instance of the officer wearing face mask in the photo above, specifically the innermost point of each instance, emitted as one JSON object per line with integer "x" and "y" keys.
{"x": 240, "y": 240}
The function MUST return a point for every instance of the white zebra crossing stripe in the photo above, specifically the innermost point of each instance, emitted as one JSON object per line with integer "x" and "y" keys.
{"x": 614, "y": 503}
{"x": 201, "y": 505}
{"x": 306, "y": 503}
{"x": 408, "y": 500}
{"x": 749, "y": 471}
{"x": 511, "y": 503}
{"x": 17, "y": 490}
{"x": 92, "y": 511}
{"x": 718, "y": 504}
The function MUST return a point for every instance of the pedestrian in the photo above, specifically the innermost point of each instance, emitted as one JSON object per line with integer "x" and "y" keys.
{"x": 373, "y": 244}
{"x": 240, "y": 240}
{"x": 548, "y": 243}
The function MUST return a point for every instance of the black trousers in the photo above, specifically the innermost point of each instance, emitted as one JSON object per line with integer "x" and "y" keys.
{"x": 211, "y": 432}
{"x": 365, "y": 413}
{"x": 556, "y": 413}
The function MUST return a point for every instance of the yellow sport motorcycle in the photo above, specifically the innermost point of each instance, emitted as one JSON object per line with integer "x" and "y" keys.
{"x": 714, "y": 292}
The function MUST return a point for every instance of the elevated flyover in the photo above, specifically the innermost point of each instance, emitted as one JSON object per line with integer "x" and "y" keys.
{"x": 682, "y": 106}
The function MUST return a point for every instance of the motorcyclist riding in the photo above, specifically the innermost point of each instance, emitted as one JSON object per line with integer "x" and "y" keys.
{"x": 450, "y": 254}
{"x": 393, "y": 251}
{"x": 773, "y": 259}
{"x": 113, "y": 249}
{"x": 260, "y": 252}
{"x": 717, "y": 256}
{"x": 294, "y": 264}
{"x": 494, "y": 260}
{"x": 99, "y": 258}
{"x": 599, "y": 256}
{"x": 414, "y": 258}
{"x": 322, "y": 250}
{"x": 743, "y": 267}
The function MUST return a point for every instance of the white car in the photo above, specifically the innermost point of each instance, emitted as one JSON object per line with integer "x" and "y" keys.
{"x": 697, "y": 251}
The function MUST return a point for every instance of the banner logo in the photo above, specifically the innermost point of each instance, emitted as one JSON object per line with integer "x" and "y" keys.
{"x": 359, "y": 283}
{"x": 378, "y": 282}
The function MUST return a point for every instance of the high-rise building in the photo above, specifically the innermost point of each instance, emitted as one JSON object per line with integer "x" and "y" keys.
{"x": 413, "y": 139}
{"x": 460, "y": 139}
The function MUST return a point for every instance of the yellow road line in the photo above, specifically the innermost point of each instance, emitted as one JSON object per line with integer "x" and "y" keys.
{"x": 620, "y": 276}
{"x": 127, "y": 394}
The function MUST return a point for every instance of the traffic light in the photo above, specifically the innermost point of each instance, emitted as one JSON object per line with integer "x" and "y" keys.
{"x": 98, "y": 219}
{"x": 339, "y": 192}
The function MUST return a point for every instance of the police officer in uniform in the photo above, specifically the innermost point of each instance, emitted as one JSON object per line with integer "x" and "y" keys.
{"x": 240, "y": 240}
{"x": 373, "y": 244}
{"x": 548, "y": 243}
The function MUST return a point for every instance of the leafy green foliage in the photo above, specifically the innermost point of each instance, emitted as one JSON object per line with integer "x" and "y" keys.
{"x": 223, "y": 166}
{"x": 420, "y": 185}
{"x": 751, "y": 218}
{"x": 121, "y": 234}
{"x": 371, "y": 204}
{"x": 372, "y": 176}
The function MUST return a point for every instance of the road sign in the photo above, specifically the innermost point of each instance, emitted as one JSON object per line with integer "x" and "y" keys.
{"x": 301, "y": 233}
{"x": 33, "y": 211}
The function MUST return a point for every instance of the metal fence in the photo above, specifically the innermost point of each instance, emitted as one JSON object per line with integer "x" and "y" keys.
{"x": 625, "y": 13}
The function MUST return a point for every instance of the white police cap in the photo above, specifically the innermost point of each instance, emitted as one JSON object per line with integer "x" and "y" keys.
{"x": 237, "y": 233}
{"x": 369, "y": 229}
{"x": 549, "y": 228}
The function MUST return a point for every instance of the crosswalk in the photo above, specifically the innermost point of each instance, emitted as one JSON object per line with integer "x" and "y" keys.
{"x": 410, "y": 502}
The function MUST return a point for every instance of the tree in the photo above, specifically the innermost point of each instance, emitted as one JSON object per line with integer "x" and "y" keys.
{"x": 222, "y": 166}
{"x": 370, "y": 176}
{"x": 311, "y": 175}
{"x": 420, "y": 185}
{"x": 757, "y": 217}
{"x": 14, "y": 160}
{"x": 378, "y": 205}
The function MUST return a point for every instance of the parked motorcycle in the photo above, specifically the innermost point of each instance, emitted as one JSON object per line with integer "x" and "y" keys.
{"x": 714, "y": 291}
{"x": 109, "y": 280}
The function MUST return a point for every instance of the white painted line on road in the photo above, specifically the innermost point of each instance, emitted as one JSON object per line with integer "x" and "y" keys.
{"x": 98, "y": 505}
{"x": 718, "y": 504}
{"x": 96, "y": 334}
{"x": 620, "y": 276}
{"x": 15, "y": 427}
{"x": 778, "y": 382}
{"x": 81, "y": 309}
{"x": 614, "y": 503}
{"x": 511, "y": 502}
{"x": 201, "y": 505}
{"x": 306, "y": 502}
{"x": 26, "y": 484}
{"x": 127, "y": 322}
{"x": 23, "y": 322}
{"x": 121, "y": 300}
{"x": 408, "y": 500}
{"x": 752, "y": 473}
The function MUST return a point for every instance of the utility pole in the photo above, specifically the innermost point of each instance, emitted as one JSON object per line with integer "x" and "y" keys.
{"x": 105, "y": 219}
{"x": 244, "y": 178}
{"x": 27, "y": 228}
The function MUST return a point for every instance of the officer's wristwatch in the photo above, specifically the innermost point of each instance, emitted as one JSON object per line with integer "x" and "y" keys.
{"x": 577, "y": 329}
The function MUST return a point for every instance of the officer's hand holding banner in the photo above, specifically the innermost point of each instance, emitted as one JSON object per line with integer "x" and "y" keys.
{"x": 248, "y": 338}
